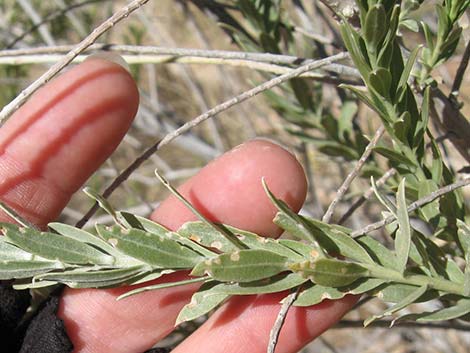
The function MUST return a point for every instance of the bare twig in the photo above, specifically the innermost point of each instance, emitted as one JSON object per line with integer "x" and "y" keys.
{"x": 67, "y": 59}
{"x": 353, "y": 174}
{"x": 174, "y": 54}
{"x": 414, "y": 206}
{"x": 281, "y": 317}
{"x": 160, "y": 59}
{"x": 199, "y": 119}
{"x": 358, "y": 203}
{"x": 454, "y": 325}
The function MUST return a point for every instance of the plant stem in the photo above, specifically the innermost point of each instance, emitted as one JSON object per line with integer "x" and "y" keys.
{"x": 444, "y": 285}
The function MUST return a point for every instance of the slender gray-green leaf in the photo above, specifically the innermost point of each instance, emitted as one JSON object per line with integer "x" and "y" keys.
{"x": 10, "y": 269}
{"x": 145, "y": 224}
{"x": 375, "y": 26}
{"x": 378, "y": 252}
{"x": 394, "y": 156}
{"x": 150, "y": 276}
{"x": 202, "y": 233}
{"x": 98, "y": 278}
{"x": 202, "y": 302}
{"x": 102, "y": 202}
{"x": 254, "y": 241}
{"x": 22, "y": 284}
{"x": 273, "y": 284}
{"x": 349, "y": 247}
{"x": 380, "y": 80}
{"x": 461, "y": 308}
{"x": 405, "y": 74}
{"x": 150, "y": 248}
{"x": 314, "y": 294}
{"x": 289, "y": 219}
{"x": 403, "y": 234}
{"x": 190, "y": 244}
{"x": 330, "y": 272}
{"x": 395, "y": 292}
{"x": 464, "y": 235}
{"x": 11, "y": 252}
{"x": 294, "y": 227}
{"x": 242, "y": 266}
{"x": 362, "y": 95}
{"x": 55, "y": 247}
{"x": 307, "y": 251}
{"x": 466, "y": 283}
{"x": 383, "y": 199}
{"x": 453, "y": 271}
{"x": 352, "y": 40}
{"x": 431, "y": 210}
{"x": 82, "y": 236}
{"x": 404, "y": 302}
{"x": 162, "y": 286}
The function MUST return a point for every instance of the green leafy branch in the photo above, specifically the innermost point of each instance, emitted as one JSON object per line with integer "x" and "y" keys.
{"x": 323, "y": 262}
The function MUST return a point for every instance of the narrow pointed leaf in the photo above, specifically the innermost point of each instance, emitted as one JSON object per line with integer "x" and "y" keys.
{"x": 378, "y": 252}
{"x": 408, "y": 300}
{"x": 305, "y": 250}
{"x": 11, "y": 252}
{"x": 393, "y": 156}
{"x": 273, "y": 284}
{"x": 403, "y": 234}
{"x": 375, "y": 26}
{"x": 81, "y": 235}
{"x": 289, "y": 218}
{"x": 55, "y": 247}
{"x": 204, "y": 234}
{"x": 402, "y": 83}
{"x": 10, "y": 269}
{"x": 383, "y": 199}
{"x": 464, "y": 235}
{"x": 162, "y": 286}
{"x": 202, "y": 302}
{"x": 316, "y": 294}
{"x": 330, "y": 272}
{"x": 242, "y": 266}
{"x": 462, "y": 308}
{"x": 150, "y": 248}
{"x": 466, "y": 283}
{"x": 93, "y": 279}
{"x": 395, "y": 292}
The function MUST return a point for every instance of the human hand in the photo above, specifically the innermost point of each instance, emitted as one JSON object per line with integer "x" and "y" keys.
{"x": 60, "y": 137}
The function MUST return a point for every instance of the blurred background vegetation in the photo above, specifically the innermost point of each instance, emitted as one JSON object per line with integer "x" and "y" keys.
{"x": 324, "y": 125}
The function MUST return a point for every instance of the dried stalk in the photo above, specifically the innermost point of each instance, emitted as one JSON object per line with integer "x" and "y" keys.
{"x": 353, "y": 174}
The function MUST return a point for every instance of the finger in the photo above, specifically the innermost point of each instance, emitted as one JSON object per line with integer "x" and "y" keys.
{"x": 52, "y": 144}
{"x": 243, "y": 324}
{"x": 228, "y": 190}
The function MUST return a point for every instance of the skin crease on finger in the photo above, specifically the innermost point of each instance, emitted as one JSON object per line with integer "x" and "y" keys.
{"x": 227, "y": 190}
{"x": 52, "y": 144}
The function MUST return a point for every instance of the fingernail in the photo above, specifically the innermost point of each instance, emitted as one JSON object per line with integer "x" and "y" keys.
{"x": 109, "y": 56}
{"x": 289, "y": 149}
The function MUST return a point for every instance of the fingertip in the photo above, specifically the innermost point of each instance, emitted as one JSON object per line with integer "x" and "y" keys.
{"x": 53, "y": 143}
{"x": 229, "y": 189}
